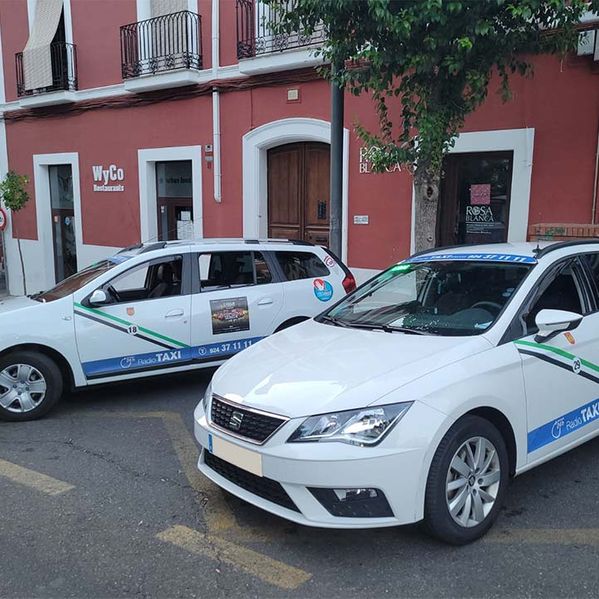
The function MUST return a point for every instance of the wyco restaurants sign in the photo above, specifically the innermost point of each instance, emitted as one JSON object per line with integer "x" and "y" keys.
{"x": 108, "y": 179}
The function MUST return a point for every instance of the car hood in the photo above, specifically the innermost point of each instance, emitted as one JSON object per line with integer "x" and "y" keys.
{"x": 10, "y": 304}
{"x": 315, "y": 368}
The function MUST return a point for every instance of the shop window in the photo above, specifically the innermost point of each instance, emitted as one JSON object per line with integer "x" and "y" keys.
{"x": 474, "y": 203}
{"x": 174, "y": 190}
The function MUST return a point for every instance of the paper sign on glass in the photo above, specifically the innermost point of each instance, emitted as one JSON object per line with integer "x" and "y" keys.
{"x": 480, "y": 194}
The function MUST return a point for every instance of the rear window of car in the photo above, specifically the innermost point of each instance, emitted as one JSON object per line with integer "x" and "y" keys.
{"x": 301, "y": 265}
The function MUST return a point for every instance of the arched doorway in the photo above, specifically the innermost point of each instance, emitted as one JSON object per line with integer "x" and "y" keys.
{"x": 298, "y": 192}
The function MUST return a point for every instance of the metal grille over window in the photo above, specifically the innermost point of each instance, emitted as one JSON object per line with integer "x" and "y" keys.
{"x": 163, "y": 43}
{"x": 257, "y": 30}
{"x": 47, "y": 62}
{"x": 252, "y": 425}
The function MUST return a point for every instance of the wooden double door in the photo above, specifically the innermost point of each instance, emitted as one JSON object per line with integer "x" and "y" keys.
{"x": 298, "y": 192}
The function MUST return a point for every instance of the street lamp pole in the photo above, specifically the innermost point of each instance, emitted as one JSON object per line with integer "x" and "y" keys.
{"x": 336, "y": 181}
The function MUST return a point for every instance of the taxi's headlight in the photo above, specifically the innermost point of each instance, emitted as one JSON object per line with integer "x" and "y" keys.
{"x": 207, "y": 398}
{"x": 366, "y": 426}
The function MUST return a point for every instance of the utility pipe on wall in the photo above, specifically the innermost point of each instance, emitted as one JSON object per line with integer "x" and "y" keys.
{"x": 216, "y": 102}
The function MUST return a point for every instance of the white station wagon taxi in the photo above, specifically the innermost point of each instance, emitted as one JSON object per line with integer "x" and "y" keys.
{"x": 418, "y": 396}
{"x": 158, "y": 308}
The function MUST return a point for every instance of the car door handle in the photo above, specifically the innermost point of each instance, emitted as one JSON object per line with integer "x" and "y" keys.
{"x": 265, "y": 301}
{"x": 174, "y": 314}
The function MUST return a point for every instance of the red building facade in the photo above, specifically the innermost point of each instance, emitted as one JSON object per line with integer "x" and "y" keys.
{"x": 165, "y": 119}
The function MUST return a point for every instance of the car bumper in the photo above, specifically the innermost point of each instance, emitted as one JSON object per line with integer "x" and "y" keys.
{"x": 399, "y": 473}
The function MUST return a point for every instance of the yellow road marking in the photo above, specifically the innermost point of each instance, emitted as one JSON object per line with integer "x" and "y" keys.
{"x": 544, "y": 536}
{"x": 254, "y": 563}
{"x": 31, "y": 478}
{"x": 219, "y": 518}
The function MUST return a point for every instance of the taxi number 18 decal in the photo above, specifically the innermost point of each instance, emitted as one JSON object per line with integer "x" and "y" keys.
{"x": 323, "y": 290}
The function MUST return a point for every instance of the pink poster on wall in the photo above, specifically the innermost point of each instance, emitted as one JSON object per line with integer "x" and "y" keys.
{"x": 480, "y": 194}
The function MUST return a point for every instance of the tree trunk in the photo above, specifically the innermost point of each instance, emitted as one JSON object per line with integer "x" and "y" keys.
{"x": 22, "y": 265}
{"x": 427, "y": 181}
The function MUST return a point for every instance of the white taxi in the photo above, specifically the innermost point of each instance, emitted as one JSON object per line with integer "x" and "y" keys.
{"x": 158, "y": 308}
{"x": 418, "y": 396}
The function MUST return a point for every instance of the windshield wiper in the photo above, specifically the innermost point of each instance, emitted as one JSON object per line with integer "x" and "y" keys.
{"x": 334, "y": 321}
{"x": 387, "y": 328}
{"x": 392, "y": 329}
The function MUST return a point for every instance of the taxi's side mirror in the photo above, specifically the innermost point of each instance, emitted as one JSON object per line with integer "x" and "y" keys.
{"x": 552, "y": 322}
{"x": 98, "y": 298}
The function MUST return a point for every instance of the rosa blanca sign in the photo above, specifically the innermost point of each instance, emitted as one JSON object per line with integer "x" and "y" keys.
{"x": 108, "y": 179}
{"x": 366, "y": 156}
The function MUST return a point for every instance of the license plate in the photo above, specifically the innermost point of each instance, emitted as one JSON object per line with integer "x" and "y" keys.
{"x": 238, "y": 456}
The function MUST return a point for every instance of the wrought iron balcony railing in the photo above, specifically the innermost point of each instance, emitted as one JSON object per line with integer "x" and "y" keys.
{"x": 257, "y": 31}
{"x": 64, "y": 70}
{"x": 162, "y": 44}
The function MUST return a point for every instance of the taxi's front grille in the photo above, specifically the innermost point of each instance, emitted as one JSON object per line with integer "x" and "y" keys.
{"x": 266, "y": 488}
{"x": 243, "y": 422}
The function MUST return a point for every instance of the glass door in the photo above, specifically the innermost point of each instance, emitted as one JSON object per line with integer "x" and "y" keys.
{"x": 63, "y": 220}
{"x": 475, "y": 195}
{"x": 174, "y": 200}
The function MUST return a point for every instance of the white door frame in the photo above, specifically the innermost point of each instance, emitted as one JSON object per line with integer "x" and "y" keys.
{"x": 148, "y": 207}
{"x": 256, "y": 144}
{"x": 521, "y": 143}
{"x": 43, "y": 208}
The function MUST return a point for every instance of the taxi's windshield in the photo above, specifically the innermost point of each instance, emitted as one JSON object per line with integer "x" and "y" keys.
{"x": 79, "y": 279}
{"x": 445, "y": 297}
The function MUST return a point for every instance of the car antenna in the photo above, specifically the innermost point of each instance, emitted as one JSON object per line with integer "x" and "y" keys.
{"x": 537, "y": 250}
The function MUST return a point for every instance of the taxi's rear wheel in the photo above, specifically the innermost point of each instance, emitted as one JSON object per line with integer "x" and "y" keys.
{"x": 30, "y": 384}
{"x": 467, "y": 481}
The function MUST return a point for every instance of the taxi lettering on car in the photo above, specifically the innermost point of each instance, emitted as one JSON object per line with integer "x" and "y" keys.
{"x": 156, "y": 308}
{"x": 418, "y": 396}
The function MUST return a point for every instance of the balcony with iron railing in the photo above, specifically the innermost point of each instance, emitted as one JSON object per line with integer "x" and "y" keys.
{"x": 162, "y": 45}
{"x": 63, "y": 58}
{"x": 258, "y": 34}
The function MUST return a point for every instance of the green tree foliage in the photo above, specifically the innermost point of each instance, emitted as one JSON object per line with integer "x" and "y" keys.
{"x": 13, "y": 191}
{"x": 427, "y": 65}
{"x": 14, "y": 195}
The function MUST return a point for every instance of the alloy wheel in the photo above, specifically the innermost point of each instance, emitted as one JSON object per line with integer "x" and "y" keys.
{"x": 473, "y": 481}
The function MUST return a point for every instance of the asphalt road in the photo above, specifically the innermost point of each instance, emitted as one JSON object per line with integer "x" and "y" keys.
{"x": 101, "y": 499}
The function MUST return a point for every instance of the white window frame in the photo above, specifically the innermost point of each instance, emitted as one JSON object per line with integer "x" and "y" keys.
{"x": 43, "y": 208}
{"x": 148, "y": 204}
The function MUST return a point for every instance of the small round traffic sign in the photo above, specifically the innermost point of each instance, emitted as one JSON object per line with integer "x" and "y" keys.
{"x": 3, "y": 220}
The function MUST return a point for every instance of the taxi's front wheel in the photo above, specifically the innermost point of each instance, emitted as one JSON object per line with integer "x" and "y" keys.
{"x": 467, "y": 481}
{"x": 30, "y": 384}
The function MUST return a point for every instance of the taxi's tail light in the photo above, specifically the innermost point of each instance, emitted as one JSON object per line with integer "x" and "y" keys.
{"x": 349, "y": 283}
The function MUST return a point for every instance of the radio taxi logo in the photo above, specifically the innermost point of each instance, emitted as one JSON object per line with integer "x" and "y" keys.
{"x": 323, "y": 290}
{"x": 158, "y": 358}
{"x": 568, "y": 424}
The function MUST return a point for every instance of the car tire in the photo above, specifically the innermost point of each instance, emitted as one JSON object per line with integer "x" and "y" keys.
{"x": 467, "y": 481}
{"x": 30, "y": 384}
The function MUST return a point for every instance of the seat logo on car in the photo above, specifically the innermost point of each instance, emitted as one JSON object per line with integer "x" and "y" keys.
{"x": 235, "y": 421}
